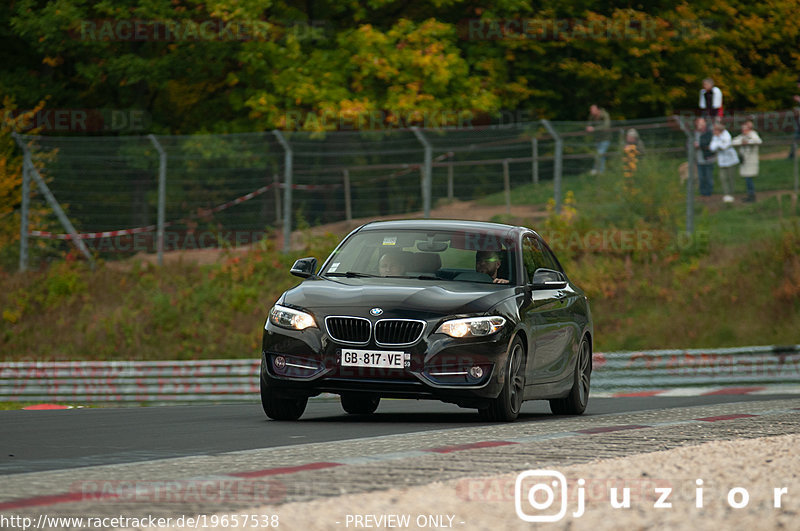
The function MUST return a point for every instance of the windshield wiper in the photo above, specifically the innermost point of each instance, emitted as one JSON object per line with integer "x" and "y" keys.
{"x": 350, "y": 274}
{"x": 418, "y": 277}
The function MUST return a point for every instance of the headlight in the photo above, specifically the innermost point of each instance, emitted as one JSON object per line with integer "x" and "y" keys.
{"x": 472, "y": 326}
{"x": 289, "y": 318}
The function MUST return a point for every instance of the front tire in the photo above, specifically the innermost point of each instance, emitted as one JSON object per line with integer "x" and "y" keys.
{"x": 508, "y": 403}
{"x": 281, "y": 408}
{"x": 360, "y": 403}
{"x": 578, "y": 398}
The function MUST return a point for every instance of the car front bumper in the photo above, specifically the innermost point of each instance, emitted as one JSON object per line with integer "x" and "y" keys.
{"x": 439, "y": 367}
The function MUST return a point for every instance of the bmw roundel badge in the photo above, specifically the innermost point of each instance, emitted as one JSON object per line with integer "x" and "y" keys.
{"x": 376, "y": 311}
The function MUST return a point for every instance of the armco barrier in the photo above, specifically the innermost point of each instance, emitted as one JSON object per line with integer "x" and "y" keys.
{"x": 237, "y": 380}
{"x": 129, "y": 381}
{"x": 666, "y": 369}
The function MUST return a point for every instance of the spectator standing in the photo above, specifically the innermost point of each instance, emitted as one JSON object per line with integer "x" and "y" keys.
{"x": 600, "y": 125}
{"x": 705, "y": 157}
{"x": 726, "y": 159}
{"x": 748, "y": 143}
{"x": 710, "y": 100}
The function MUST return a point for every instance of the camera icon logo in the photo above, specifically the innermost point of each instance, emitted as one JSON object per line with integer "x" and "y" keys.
{"x": 536, "y": 491}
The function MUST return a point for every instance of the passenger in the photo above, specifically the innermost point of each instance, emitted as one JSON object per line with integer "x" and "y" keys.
{"x": 391, "y": 264}
{"x": 489, "y": 262}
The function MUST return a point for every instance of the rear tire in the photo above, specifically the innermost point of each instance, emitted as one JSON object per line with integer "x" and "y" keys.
{"x": 281, "y": 408}
{"x": 506, "y": 407}
{"x": 360, "y": 403}
{"x": 578, "y": 398}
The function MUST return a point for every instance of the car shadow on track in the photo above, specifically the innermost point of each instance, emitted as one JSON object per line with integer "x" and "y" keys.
{"x": 466, "y": 418}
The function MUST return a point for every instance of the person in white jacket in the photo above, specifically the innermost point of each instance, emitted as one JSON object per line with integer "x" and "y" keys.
{"x": 727, "y": 158}
{"x": 710, "y": 100}
{"x": 748, "y": 143}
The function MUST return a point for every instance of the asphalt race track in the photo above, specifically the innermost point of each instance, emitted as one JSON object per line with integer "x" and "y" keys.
{"x": 34, "y": 441}
{"x": 181, "y": 461}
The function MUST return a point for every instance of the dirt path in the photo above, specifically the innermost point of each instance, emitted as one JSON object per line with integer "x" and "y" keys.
{"x": 468, "y": 210}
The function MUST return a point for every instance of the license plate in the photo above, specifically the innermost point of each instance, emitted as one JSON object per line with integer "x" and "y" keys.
{"x": 389, "y": 359}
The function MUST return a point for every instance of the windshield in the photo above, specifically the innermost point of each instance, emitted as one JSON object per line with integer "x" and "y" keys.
{"x": 473, "y": 256}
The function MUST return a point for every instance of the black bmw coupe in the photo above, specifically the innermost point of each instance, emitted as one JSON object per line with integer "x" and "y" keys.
{"x": 477, "y": 314}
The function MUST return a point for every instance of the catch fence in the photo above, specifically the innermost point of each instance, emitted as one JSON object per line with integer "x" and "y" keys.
{"x": 155, "y": 193}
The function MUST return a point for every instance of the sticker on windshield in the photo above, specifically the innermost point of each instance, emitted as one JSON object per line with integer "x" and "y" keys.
{"x": 390, "y": 240}
{"x": 334, "y": 266}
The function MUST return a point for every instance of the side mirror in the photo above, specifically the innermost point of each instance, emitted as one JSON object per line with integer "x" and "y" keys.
{"x": 544, "y": 278}
{"x": 304, "y": 268}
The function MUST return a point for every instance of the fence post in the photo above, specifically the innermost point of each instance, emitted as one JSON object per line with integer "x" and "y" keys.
{"x": 558, "y": 156}
{"x": 287, "y": 189}
{"x": 51, "y": 200}
{"x": 691, "y": 160}
{"x": 507, "y": 186}
{"x": 796, "y": 174}
{"x": 276, "y": 184}
{"x": 348, "y": 205}
{"x": 426, "y": 171}
{"x": 26, "y": 201}
{"x": 162, "y": 197}
{"x": 535, "y": 159}
{"x": 450, "y": 182}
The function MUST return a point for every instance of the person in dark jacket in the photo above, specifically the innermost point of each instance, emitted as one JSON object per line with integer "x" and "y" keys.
{"x": 705, "y": 157}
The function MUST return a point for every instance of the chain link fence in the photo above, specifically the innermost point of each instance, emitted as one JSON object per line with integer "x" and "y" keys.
{"x": 127, "y": 194}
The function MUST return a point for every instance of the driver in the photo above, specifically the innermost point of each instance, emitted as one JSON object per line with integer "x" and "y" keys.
{"x": 391, "y": 264}
{"x": 489, "y": 262}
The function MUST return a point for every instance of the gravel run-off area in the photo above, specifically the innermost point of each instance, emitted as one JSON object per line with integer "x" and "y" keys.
{"x": 761, "y": 467}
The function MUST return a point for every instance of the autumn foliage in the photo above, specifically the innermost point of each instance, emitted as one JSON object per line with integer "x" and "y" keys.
{"x": 230, "y": 65}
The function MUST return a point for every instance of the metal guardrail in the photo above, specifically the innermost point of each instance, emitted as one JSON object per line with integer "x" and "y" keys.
{"x": 129, "y": 381}
{"x": 237, "y": 380}
{"x": 665, "y": 369}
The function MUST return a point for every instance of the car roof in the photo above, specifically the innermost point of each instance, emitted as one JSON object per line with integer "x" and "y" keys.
{"x": 440, "y": 224}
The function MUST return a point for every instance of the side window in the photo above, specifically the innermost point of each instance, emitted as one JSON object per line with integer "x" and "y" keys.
{"x": 536, "y": 255}
{"x": 532, "y": 257}
{"x": 551, "y": 259}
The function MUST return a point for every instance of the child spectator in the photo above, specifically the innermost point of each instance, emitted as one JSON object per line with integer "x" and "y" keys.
{"x": 633, "y": 150}
{"x": 748, "y": 143}
{"x": 726, "y": 159}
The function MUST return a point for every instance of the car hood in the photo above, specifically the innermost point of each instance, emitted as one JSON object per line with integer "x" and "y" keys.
{"x": 395, "y": 296}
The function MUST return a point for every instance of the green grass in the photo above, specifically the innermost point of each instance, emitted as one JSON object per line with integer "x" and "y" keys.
{"x": 743, "y": 223}
{"x": 180, "y": 311}
{"x": 737, "y": 284}
{"x": 6, "y": 406}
